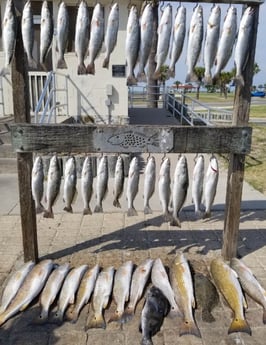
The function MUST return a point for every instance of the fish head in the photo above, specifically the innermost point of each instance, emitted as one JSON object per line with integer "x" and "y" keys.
{"x": 116, "y": 139}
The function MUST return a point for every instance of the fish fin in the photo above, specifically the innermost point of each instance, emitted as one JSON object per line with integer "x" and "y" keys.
{"x": 81, "y": 69}
{"x": 86, "y": 211}
{"x": 207, "y": 316}
{"x": 106, "y": 62}
{"x": 40, "y": 208}
{"x": 239, "y": 325}
{"x": 68, "y": 209}
{"x": 131, "y": 80}
{"x": 116, "y": 203}
{"x": 48, "y": 214}
{"x": 98, "y": 209}
{"x": 132, "y": 212}
{"x": 175, "y": 221}
{"x": 147, "y": 210}
{"x": 206, "y": 215}
{"x": 264, "y": 316}
{"x": 90, "y": 68}
{"x": 189, "y": 327}
{"x": 116, "y": 316}
{"x": 128, "y": 314}
{"x": 61, "y": 64}
{"x": 95, "y": 321}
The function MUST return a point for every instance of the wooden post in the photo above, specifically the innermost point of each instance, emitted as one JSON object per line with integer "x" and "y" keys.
{"x": 237, "y": 161}
{"x": 21, "y": 104}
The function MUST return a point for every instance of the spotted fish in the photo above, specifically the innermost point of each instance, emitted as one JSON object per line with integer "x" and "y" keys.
{"x": 134, "y": 139}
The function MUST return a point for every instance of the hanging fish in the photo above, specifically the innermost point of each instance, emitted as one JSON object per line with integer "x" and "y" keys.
{"x": 96, "y": 36}
{"x": 119, "y": 181}
{"x": 62, "y": 33}
{"x": 132, "y": 186}
{"x": 164, "y": 35}
{"x": 178, "y": 38}
{"x": 132, "y": 44}
{"x": 149, "y": 183}
{"x": 195, "y": 37}
{"x": 9, "y": 32}
{"x": 197, "y": 183}
{"x": 210, "y": 185}
{"x": 37, "y": 178}
{"x": 211, "y": 42}
{"x": 111, "y": 33}
{"x": 46, "y": 32}
{"x": 70, "y": 183}
{"x": 82, "y": 35}
{"x": 101, "y": 183}
{"x": 164, "y": 187}
{"x": 86, "y": 183}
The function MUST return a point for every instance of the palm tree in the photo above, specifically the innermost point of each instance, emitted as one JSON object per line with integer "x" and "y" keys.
{"x": 199, "y": 71}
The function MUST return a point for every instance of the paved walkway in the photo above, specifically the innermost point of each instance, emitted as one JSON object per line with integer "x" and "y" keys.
{"x": 112, "y": 238}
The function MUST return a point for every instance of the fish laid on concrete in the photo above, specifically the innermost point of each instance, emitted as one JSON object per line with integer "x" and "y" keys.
{"x": 100, "y": 299}
{"x": 70, "y": 184}
{"x": 62, "y": 32}
{"x": 96, "y": 36}
{"x": 155, "y": 309}
{"x": 181, "y": 281}
{"x": 180, "y": 187}
{"x": 9, "y": 31}
{"x": 132, "y": 186}
{"x": 30, "y": 288}
{"x": 37, "y": 179}
{"x": 14, "y": 283}
{"x": 242, "y": 48}
{"x": 195, "y": 37}
{"x": 160, "y": 279}
{"x": 27, "y": 31}
{"x": 210, "y": 185}
{"x": 164, "y": 187}
{"x": 53, "y": 186}
{"x": 178, "y": 38}
{"x": 132, "y": 44}
{"x": 111, "y": 33}
{"x": 68, "y": 291}
{"x": 46, "y": 32}
{"x": 84, "y": 293}
{"x": 149, "y": 183}
{"x": 139, "y": 279}
{"x": 227, "y": 283}
{"x": 197, "y": 183}
{"x": 51, "y": 289}
{"x": 82, "y": 34}
{"x": 101, "y": 183}
{"x": 250, "y": 284}
{"x": 121, "y": 289}
{"x": 86, "y": 184}
{"x": 118, "y": 181}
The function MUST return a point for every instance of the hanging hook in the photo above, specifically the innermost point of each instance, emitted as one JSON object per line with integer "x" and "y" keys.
{"x": 161, "y": 7}
{"x": 195, "y": 158}
{"x": 195, "y": 6}
{"x": 179, "y": 5}
{"x": 149, "y": 155}
{"x": 164, "y": 156}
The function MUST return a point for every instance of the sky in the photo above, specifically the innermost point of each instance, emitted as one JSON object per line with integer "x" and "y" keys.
{"x": 260, "y": 55}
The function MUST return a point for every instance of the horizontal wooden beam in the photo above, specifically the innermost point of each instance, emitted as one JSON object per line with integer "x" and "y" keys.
{"x": 243, "y": 2}
{"x": 130, "y": 138}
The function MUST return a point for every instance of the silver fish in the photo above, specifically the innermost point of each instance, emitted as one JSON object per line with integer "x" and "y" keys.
{"x": 155, "y": 309}
{"x": 82, "y": 35}
{"x": 68, "y": 291}
{"x": 179, "y": 33}
{"x": 226, "y": 42}
{"x": 27, "y": 31}
{"x": 121, "y": 289}
{"x": 84, "y": 292}
{"x": 197, "y": 183}
{"x": 62, "y": 34}
{"x": 9, "y": 31}
{"x": 242, "y": 48}
{"x": 132, "y": 44}
{"x": 30, "y": 288}
{"x": 101, "y": 296}
{"x": 14, "y": 283}
{"x": 211, "y": 41}
{"x": 51, "y": 289}
{"x": 182, "y": 285}
{"x": 250, "y": 284}
{"x": 37, "y": 178}
{"x": 101, "y": 183}
{"x": 146, "y": 38}
{"x": 70, "y": 183}
{"x": 163, "y": 43}
{"x": 53, "y": 186}
{"x": 132, "y": 186}
{"x": 180, "y": 188}
{"x": 139, "y": 279}
{"x": 46, "y": 32}
{"x": 149, "y": 183}
{"x": 160, "y": 279}
{"x": 195, "y": 37}
{"x": 119, "y": 181}
{"x": 210, "y": 185}
{"x": 96, "y": 36}
{"x": 86, "y": 183}
{"x": 164, "y": 187}
{"x": 111, "y": 33}
{"x": 134, "y": 139}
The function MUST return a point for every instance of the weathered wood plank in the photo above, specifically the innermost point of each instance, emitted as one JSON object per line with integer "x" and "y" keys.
{"x": 111, "y": 139}
{"x": 243, "y": 2}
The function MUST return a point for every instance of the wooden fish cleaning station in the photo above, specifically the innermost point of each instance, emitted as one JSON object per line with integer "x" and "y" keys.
{"x": 234, "y": 140}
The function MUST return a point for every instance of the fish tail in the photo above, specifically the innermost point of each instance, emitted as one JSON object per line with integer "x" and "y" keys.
{"x": 61, "y": 64}
{"x": 171, "y": 73}
{"x": 206, "y": 214}
{"x": 239, "y": 80}
{"x": 96, "y": 321}
{"x": 131, "y": 80}
{"x": 106, "y": 62}
{"x": 39, "y": 208}
{"x": 147, "y": 210}
{"x": 116, "y": 316}
{"x": 189, "y": 327}
{"x": 215, "y": 78}
{"x": 142, "y": 77}
{"x": 239, "y": 325}
{"x": 188, "y": 78}
{"x": 81, "y": 69}
{"x": 167, "y": 216}
{"x": 32, "y": 63}
{"x": 98, "y": 209}
{"x": 157, "y": 75}
{"x": 86, "y": 211}
{"x": 127, "y": 315}
{"x": 175, "y": 221}
{"x": 116, "y": 203}
{"x": 43, "y": 66}
{"x": 68, "y": 209}
{"x": 146, "y": 341}
{"x": 207, "y": 316}
{"x": 48, "y": 213}
{"x": 264, "y": 316}
{"x": 132, "y": 212}
{"x": 198, "y": 213}
{"x": 208, "y": 79}
{"x": 90, "y": 68}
